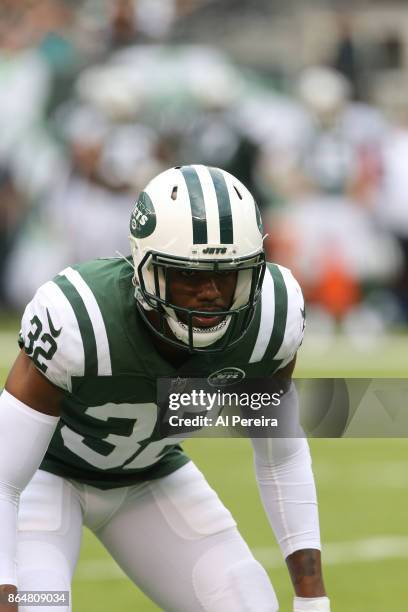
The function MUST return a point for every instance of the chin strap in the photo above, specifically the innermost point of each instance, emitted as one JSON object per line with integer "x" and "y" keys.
{"x": 138, "y": 293}
{"x": 129, "y": 261}
{"x": 139, "y": 297}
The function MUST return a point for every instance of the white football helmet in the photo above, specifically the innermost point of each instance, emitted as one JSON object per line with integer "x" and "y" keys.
{"x": 197, "y": 217}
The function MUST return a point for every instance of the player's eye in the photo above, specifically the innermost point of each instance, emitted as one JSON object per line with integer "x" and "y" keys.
{"x": 188, "y": 273}
{"x": 224, "y": 272}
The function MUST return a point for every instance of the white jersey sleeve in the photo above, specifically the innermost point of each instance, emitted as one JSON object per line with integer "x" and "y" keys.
{"x": 295, "y": 319}
{"x": 282, "y": 320}
{"x": 51, "y": 337}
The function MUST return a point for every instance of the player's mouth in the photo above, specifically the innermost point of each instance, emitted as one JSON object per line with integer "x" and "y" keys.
{"x": 204, "y": 320}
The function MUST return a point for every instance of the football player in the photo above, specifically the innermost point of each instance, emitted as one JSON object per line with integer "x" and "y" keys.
{"x": 80, "y": 435}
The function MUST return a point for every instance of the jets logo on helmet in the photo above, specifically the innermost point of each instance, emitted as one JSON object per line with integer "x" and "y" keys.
{"x": 143, "y": 219}
{"x": 202, "y": 218}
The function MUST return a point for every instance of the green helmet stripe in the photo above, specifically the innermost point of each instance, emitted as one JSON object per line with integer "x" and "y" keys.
{"x": 198, "y": 213}
{"x": 224, "y": 206}
{"x": 84, "y": 324}
{"x": 281, "y": 312}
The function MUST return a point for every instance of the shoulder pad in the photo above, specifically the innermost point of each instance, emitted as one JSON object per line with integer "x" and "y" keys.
{"x": 295, "y": 320}
{"x": 51, "y": 337}
{"x": 282, "y": 317}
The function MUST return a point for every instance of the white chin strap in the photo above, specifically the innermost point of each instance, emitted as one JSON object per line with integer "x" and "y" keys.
{"x": 202, "y": 336}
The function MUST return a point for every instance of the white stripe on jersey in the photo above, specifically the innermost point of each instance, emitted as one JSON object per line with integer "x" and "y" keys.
{"x": 91, "y": 305}
{"x": 294, "y": 321}
{"x": 267, "y": 318}
{"x": 211, "y": 204}
{"x": 69, "y": 360}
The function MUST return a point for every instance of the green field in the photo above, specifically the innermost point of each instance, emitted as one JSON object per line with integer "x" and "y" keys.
{"x": 363, "y": 492}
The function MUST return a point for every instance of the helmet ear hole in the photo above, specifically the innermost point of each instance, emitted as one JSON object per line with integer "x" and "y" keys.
{"x": 174, "y": 193}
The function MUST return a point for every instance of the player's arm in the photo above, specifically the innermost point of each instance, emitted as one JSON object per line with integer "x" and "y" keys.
{"x": 26, "y": 383}
{"x": 287, "y": 487}
{"x": 29, "y": 409}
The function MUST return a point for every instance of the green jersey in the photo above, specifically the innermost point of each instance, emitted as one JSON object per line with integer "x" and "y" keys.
{"x": 83, "y": 332}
